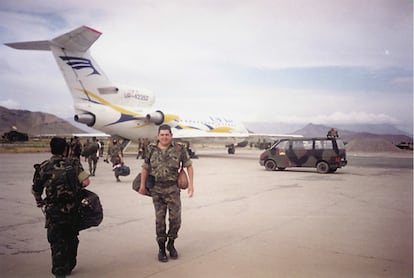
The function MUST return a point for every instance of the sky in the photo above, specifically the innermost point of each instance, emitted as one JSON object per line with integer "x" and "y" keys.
{"x": 299, "y": 62}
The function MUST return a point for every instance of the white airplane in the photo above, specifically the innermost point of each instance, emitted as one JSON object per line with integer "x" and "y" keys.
{"x": 120, "y": 111}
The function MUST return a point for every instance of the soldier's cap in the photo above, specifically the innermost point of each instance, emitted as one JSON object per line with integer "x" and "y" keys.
{"x": 83, "y": 176}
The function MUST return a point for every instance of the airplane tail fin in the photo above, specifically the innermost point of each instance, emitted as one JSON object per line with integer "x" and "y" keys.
{"x": 71, "y": 51}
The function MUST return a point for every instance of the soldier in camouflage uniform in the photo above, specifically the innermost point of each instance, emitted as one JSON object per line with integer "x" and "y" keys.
{"x": 116, "y": 154}
{"x": 94, "y": 156}
{"x": 163, "y": 163}
{"x": 61, "y": 178}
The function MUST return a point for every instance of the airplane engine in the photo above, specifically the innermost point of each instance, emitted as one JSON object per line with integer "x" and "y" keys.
{"x": 86, "y": 118}
{"x": 156, "y": 117}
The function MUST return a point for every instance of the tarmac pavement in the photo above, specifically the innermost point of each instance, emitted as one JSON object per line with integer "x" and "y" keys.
{"x": 243, "y": 221}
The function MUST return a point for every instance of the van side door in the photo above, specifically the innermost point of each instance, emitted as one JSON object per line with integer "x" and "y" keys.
{"x": 299, "y": 152}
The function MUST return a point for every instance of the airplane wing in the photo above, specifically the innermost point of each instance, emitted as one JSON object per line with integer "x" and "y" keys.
{"x": 205, "y": 137}
{"x": 272, "y": 136}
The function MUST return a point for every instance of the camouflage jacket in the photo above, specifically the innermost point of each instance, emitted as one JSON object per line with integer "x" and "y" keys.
{"x": 114, "y": 151}
{"x": 60, "y": 178}
{"x": 164, "y": 164}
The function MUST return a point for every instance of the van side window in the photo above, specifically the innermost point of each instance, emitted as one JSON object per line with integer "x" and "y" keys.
{"x": 284, "y": 145}
{"x": 318, "y": 145}
{"x": 323, "y": 144}
{"x": 308, "y": 144}
{"x": 297, "y": 145}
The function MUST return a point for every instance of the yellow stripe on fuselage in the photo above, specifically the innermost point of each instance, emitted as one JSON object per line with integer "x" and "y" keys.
{"x": 107, "y": 103}
{"x": 221, "y": 129}
{"x": 167, "y": 117}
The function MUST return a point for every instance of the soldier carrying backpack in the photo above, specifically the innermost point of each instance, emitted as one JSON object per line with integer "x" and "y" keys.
{"x": 62, "y": 180}
{"x": 91, "y": 153}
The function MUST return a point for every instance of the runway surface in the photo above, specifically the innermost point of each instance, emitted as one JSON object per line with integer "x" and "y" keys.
{"x": 243, "y": 221}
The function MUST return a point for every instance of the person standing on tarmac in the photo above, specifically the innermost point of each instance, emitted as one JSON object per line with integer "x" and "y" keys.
{"x": 94, "y": 156}
{"x": 163, "y": 163}
{"x": 75, "y": 148}
{"x": 117, "y": 157}
{"x": 61, "y": 179}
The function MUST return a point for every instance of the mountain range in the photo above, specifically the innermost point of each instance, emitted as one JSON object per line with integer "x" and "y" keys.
{"x": 34, "y": 123}
{"x": 347, "y": 132}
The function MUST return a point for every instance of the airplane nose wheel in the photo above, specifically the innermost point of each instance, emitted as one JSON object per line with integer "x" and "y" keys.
{"x": 231, "y": 149}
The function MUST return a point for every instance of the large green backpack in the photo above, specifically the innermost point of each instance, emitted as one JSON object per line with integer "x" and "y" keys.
{"x": 67, "y": 200}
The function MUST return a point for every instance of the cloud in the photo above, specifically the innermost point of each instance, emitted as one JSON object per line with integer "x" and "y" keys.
{"x": 354, "y": 118}
{"x": 9, "y": 103}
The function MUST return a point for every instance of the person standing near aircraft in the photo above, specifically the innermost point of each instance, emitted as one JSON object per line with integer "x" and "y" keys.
{"x": 117, "y": 157}
{"x": 93, "y": 155}
{"x": 61, "y": 179}
{"x": 75, "y": 148}
{"x": 163, "y": 162}
{"x": 102, "y": 147}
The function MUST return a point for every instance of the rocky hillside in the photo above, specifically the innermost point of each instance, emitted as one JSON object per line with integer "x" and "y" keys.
{"x": 34, "y": 123}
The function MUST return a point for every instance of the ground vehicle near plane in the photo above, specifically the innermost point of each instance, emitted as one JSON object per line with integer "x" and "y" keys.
{"x": 325, "y": 154}
{"x": 14, "y": 136}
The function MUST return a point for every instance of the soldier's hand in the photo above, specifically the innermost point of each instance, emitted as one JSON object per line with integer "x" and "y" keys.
{"x": 142, "y": 190}
{"x": 40, "y": 203}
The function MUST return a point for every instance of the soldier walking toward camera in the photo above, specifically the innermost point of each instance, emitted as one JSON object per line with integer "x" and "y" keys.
{"x": 62, "y": 179}
{"x": 163, "y": 163}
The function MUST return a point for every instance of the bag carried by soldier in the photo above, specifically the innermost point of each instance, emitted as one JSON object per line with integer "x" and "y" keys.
{"x": 149, "y": 184}
{"x": 122, "y": 170}
{"x": 90, "y": 210}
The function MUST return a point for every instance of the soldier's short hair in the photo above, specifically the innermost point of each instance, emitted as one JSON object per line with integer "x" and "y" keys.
{"x": 164, "y": 127}
{"x": 58, "y": 145}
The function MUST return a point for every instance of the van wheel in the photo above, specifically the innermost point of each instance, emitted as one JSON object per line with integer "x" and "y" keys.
{"x": 322, "y": 167}
{"x": 270, "y": 165}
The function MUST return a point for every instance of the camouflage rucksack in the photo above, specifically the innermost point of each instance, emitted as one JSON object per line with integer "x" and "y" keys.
{"x": 61, "y": 184}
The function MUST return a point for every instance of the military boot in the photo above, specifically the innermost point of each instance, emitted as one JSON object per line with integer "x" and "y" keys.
{"x": 162, "y": 256}
{"x": 171, "y": 249}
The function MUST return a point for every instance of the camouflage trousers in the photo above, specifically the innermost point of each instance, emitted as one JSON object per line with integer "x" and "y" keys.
{"x": 63, "y": 239}
{"x": 167, "y": 197}
{"x": 92, "y": 162}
